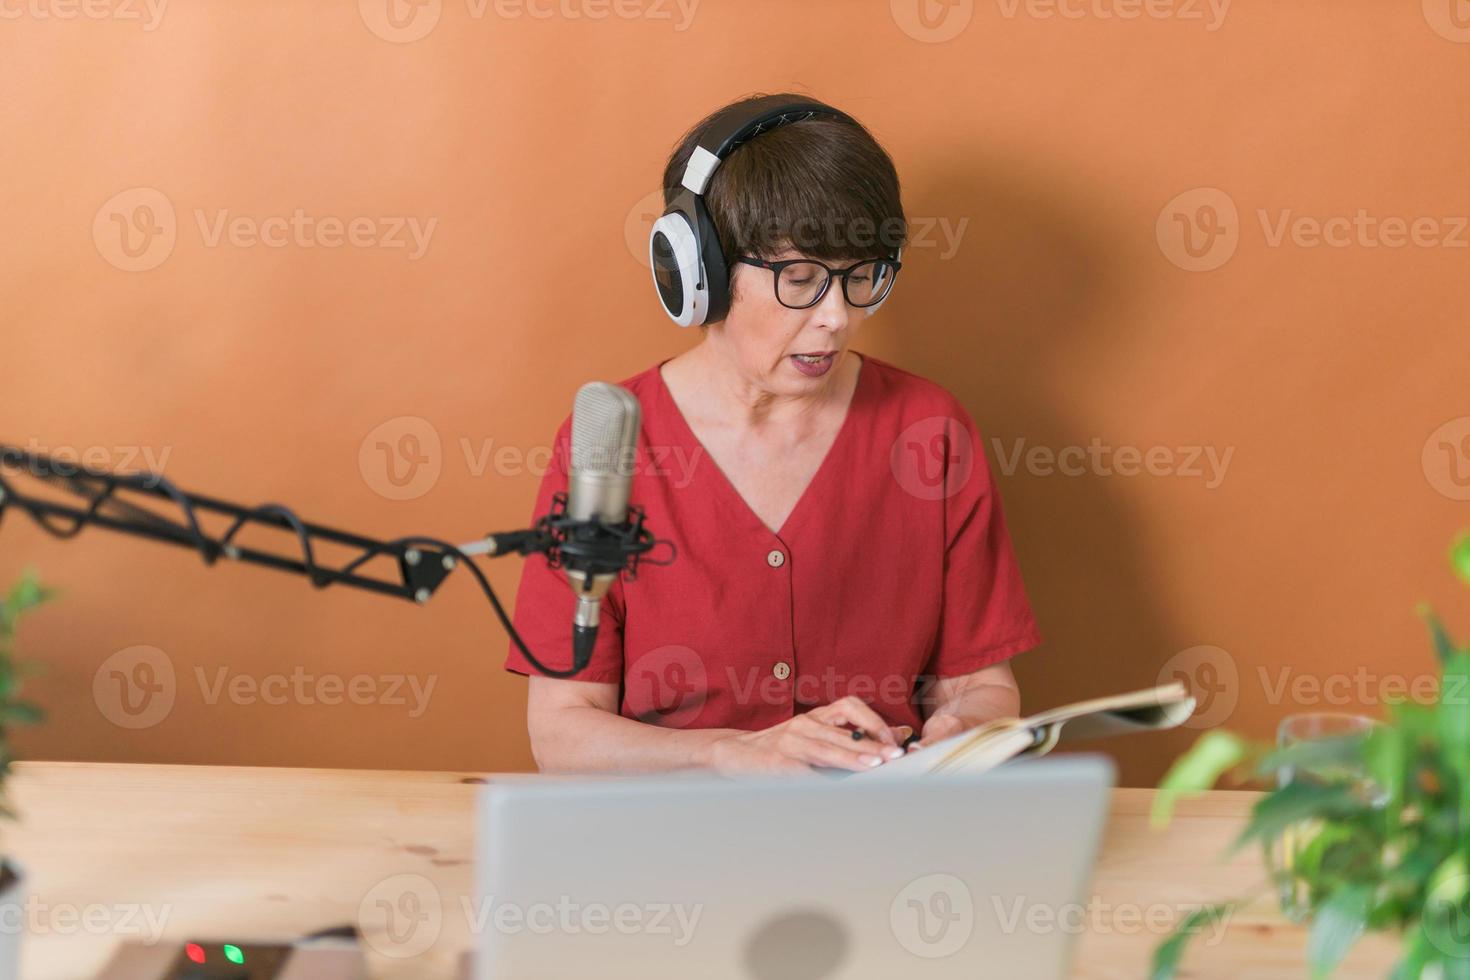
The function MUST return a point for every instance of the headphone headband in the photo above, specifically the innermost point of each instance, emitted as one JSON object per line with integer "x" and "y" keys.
{"x": 762, "y": 115}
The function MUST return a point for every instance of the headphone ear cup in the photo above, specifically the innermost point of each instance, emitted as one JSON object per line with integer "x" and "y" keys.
{"x": 678, "y": 267}
{"x": 716, "y": 268}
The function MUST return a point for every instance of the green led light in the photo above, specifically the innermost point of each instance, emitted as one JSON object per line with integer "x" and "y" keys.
{"x": 233, "y": 954}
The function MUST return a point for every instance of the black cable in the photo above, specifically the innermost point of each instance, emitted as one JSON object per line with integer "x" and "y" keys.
{"x": 463, "y": 559}
{"x": 510, "y": 630}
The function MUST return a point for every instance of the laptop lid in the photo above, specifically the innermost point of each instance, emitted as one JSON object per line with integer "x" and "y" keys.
{"x": 788, "y": 879}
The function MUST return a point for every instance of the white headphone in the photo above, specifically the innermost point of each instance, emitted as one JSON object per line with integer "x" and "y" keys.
{"x": 690, "y": 269}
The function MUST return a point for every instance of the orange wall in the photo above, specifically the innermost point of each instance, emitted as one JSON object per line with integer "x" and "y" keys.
{"x": 1063, "y": 308}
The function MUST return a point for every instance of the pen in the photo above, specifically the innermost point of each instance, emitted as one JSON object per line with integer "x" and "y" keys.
{"x": 858, "y": 735}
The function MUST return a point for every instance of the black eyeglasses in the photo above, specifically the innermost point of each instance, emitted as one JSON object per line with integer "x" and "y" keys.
{"x": 801, "y": 283}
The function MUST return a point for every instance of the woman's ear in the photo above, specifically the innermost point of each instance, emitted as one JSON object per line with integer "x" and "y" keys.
{"x": 737, "y": 283}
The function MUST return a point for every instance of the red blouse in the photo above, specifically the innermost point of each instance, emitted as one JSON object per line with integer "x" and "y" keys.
{"x": 895, "y": 566}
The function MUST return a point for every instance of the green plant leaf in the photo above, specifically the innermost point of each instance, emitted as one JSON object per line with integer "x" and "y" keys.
{"x": 1315, "y": 756}
{"x": 1431, "y": 952}
{"x": 1445, "y": 916}
{"x": 1460, "y": 556}
{"x": 1455, "y": 968}
{"x": 1454, "y": 727}
{"x": 1213, "y": 754}
{"x": 1416, "y": 866}
{"x": 28, "y": 593}
{"x": 1336, "y": 926}
{"x": 1299, "y": 800}
{"x": 1444, "y": 647}
{"x": 25, "y": 595}
{"x": 1418, "y": 951}
{"x": 1169, "y": 952}
{"x": 21, "y": 713}
{"x": 1386, "y": 756}
{"x": 1417, "y": 720}
{"x": 1308, "y": 863}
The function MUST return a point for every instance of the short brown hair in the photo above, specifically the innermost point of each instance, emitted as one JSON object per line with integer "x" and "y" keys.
{"x": 824, "y": 187}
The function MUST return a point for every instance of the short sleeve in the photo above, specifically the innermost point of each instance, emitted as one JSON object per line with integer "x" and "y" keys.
{"x": 545, "y": 602}
{"x": 985, "y": 616}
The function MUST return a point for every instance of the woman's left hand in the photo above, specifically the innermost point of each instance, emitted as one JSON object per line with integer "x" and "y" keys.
{"x": 960, "y": 703}
{"x": 939, "y": 727}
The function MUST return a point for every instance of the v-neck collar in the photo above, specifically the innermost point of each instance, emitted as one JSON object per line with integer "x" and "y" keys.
{"x": 692, "y": 441}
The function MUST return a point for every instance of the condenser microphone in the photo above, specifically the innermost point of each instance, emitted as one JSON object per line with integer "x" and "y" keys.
{"x": 605, "y": 421}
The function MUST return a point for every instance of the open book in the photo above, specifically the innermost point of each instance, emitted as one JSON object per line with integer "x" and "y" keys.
{"x": 1004, "y": 739}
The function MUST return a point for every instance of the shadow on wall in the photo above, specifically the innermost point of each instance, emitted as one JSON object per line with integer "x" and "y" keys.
{"x": 1035, "y": 272}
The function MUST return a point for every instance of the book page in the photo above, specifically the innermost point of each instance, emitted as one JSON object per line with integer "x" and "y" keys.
{"x": 986, "y": 751}
{"x": 993, "y": 743}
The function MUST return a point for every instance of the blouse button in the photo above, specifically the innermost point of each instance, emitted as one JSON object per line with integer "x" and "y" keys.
{"x": 782, "y": 670}
{"x": 775, "y": 558}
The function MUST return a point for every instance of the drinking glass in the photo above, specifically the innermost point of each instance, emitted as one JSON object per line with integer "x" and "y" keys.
{"x": 1284, "y": 852}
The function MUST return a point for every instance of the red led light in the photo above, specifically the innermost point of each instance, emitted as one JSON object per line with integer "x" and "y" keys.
{"x": 195, "y": 952}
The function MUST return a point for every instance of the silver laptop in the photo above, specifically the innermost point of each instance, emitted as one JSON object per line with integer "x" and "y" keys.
{"x": 791, "y": 879}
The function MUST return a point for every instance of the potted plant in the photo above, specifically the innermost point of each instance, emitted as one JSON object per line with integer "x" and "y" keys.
{"x": 1370, "y": 833}
{"x": 26, "y": 595}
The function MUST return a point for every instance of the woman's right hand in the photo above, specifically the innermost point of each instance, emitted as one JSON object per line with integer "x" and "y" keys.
{"x": 814, "y": 738}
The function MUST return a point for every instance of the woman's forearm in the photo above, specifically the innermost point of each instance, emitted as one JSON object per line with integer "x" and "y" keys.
{"x": 586, "y": 738}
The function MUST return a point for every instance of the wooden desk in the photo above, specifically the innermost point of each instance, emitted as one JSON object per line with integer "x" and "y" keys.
{"x": 230, "y": 851}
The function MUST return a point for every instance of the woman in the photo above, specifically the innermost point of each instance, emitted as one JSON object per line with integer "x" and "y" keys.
{"x": 842, "y": 562}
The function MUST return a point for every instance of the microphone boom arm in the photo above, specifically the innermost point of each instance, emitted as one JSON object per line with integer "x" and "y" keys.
{"x": 119, "y": 502}
{"x": 116, "y": 501}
